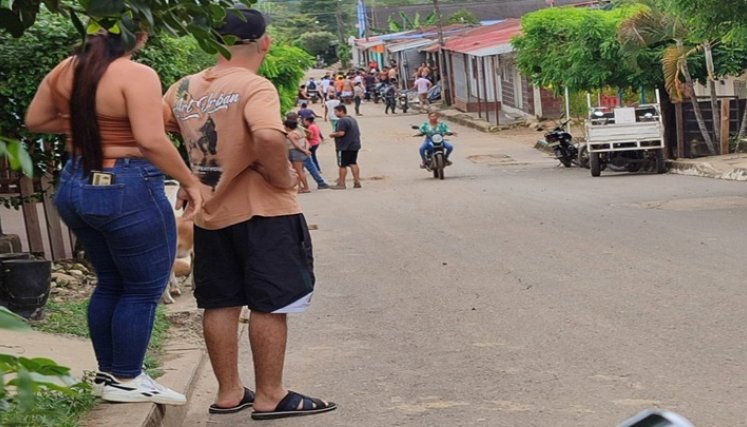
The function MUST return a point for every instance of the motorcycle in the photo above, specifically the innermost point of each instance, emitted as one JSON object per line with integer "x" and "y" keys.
{"x": 404, "y": 100}
{"x": 314, "y": 97}
{"x": 434, "y": 93}
{"x": 435, "y": 159}
{"x": 562, "y": 145}
{"x": 376, "y": 93}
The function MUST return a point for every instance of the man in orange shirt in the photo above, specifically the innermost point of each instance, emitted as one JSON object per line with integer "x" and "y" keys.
{"x": 252, "y": 245}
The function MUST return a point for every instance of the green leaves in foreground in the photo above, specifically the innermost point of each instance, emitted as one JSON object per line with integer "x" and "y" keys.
{"x": 17, "y": 156}
{"x": 12, "y": 321}
{"x": 37, "y": 391}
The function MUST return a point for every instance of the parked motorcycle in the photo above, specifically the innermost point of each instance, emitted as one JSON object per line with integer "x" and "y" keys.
{"x": 404, "y": 100}
{"x": 565, "y": 150}
{"x": 434, "y": 93}
{"x": 435, "y": 159}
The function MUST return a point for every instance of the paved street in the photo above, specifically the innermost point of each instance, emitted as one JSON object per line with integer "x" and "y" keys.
{"x": 515, "y": 293}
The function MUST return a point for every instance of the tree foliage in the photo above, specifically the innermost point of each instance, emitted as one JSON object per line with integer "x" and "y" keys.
{"x": 714, "y": 17}
{"x": 576, "y": 48}
{"x": 462, "y": 16}
{"x": 285, "y": 66}
{"x": 24, "y": 62}
{"x": 326, "y": 12}
{"x": 318, "y": 43}
{"x": 406, "y": 23}
{"x": 175, "y": 17}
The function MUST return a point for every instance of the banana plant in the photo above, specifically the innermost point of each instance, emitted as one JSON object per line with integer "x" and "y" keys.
{"x": 652, "y": 26}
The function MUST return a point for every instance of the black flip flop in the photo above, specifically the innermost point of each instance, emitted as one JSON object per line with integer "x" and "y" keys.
{"x": 288, "y": 407}
{"x": 246, "y": 402}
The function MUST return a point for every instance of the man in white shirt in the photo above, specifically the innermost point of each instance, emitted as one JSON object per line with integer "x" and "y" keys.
{"x": 329, "y": 110}
{"x": 422, "y": 85}
{"x": 325, "y": 83}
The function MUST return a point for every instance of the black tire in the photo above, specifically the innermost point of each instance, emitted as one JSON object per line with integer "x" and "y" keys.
{"x": 566, "y": 161}
{"x": 594, "y": 164}
{"x": 661, "y": 166}
{"x": 439, "y": 166}
{"x": 404, "y": 110}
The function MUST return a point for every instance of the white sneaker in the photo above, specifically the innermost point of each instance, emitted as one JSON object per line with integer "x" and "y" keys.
{"x": 142, "y": 389}
{"x": 100, "y": 381}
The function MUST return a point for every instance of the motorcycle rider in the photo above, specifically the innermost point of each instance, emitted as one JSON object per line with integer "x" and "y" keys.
{"x": 311, "y": 88}
{"x": 432, "y": 126}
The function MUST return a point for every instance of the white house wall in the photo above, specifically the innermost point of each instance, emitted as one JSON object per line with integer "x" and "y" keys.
{"x": 460, "y": 79}
{"x": 730, "y": 86}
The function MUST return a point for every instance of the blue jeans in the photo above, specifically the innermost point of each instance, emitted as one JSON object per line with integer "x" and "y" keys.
{"x": 427, "y": 147}
{"x": 129, "y": 232}
{"x": 313, "y": 171}
{"x": 313, "y": 149}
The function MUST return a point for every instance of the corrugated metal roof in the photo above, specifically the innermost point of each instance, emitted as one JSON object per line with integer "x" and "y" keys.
{"x": 366, "y": 44}
{"x": 409, "y": 44}
{"x": 486, "y": 39}
{"x": 499, "y": 49}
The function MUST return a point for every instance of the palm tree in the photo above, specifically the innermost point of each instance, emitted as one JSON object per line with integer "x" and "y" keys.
{"x": 654, "y": 27}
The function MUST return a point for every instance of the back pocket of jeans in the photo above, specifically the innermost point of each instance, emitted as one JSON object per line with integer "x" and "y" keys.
{"x": 102, "y": 200}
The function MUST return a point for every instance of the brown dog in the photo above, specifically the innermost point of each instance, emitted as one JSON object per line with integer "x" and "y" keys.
{"x": 182, "y": 268}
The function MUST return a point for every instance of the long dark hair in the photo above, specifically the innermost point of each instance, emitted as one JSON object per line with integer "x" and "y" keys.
{"x": 91, "y": 61}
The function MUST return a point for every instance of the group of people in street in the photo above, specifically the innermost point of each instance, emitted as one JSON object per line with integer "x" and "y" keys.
{"x": 304, "y": 141}
{"x": 359, "y": 85}
{"x": 240, "y": 193}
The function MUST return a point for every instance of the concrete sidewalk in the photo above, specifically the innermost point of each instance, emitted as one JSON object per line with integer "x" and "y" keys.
{"x": 729, "y": 166}
{"x": 181, "y": 363}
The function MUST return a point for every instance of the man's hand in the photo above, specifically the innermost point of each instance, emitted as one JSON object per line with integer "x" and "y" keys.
{"x": 190, "y": 199}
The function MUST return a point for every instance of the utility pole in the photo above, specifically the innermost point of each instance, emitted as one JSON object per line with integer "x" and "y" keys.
{"x": 445, "y": 82}
{"x": 340, "y": 24}
{"x": 340, "y": 30}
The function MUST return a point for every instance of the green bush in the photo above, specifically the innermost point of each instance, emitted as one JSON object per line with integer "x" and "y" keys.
{"x": 285, "y": 66}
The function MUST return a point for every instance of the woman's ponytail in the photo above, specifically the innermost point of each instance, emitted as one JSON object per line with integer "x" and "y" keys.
{"x": 91, "y": 61}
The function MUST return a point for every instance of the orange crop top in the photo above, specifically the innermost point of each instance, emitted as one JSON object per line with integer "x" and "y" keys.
{"x": 114, "y": 131}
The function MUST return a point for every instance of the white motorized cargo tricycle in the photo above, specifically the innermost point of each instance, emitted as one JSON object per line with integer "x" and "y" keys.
{"x": 625, "y": 138}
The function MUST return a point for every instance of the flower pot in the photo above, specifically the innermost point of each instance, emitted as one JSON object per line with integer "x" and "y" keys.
{"x": 24, "y": 284}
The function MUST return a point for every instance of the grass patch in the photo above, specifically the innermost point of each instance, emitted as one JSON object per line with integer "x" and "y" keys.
{"x": 66, "y": 318}
{"x": 69, "y": 318}
{"x": 50, "y": 409}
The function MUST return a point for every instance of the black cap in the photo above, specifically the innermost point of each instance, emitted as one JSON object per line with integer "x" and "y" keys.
{"x": 252, "y": 27}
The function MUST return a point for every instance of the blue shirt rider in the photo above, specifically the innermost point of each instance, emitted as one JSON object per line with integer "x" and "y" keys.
{"x": 433, "y": 126}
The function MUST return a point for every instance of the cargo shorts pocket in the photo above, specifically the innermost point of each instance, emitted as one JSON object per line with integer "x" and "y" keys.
{"x": 102, "y": 200}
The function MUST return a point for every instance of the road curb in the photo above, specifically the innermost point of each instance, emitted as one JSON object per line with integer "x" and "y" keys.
{"x": 462, "y": 119}
{"x": 181, "y": 369}
{"x": 706, "y": 169}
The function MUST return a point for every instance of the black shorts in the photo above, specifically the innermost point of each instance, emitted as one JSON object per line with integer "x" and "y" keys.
{"x": 347, "y": 157}
{"x": 265, "y": 263}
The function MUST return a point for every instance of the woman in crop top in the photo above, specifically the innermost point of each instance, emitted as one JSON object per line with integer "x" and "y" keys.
{"x": 111, "y": 195}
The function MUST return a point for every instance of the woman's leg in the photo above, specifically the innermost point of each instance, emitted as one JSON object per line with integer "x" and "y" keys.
{"x": 357, "y": 106}
{"x": 303, "y": 184}
{"x": 143, "y": 246}
{"x": 141, "y": 240}
{"x": 109, "y": 282}
{"x": 105, "y": 298}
